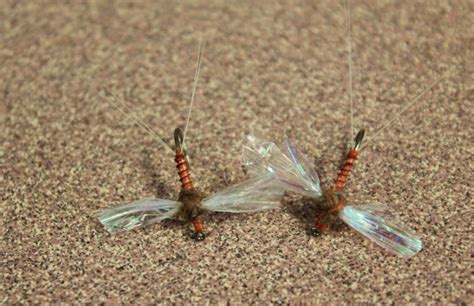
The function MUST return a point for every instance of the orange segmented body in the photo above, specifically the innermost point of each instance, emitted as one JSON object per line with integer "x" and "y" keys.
{"x": 345, "y": 170}
{"x": 334, "y": 196}
{"x": 190, "y": 198}
{"x": 183, "y": 171}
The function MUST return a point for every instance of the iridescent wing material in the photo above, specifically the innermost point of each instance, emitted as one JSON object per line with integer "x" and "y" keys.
{"x": 289, "y": 166}
{"x": 377, "y": 223}
{"x": 137, "y": 214}
{"x": 255, "y": 194}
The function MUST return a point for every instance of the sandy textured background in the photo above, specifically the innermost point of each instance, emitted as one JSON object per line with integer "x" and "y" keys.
{"x": 276, "y": 67}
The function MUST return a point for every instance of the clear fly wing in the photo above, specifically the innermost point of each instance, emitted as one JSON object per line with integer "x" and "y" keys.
{"x": 255, "y": 194}
{"x": 260, "y": 156}
{"x": 291, "y": 167}
{"x": 378, "y": 224}
{"x": 137, "y": 214}
{"x": 304, "y": 167}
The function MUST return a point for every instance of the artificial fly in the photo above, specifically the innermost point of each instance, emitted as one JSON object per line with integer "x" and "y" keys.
{"x": 258, "y": 193}
{"x": 296, "y": 173}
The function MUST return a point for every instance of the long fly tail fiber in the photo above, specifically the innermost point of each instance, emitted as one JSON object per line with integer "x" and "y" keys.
{"x": 200, "y": 55}
{"x": 129, "y": 114}
{"x": 402, "y": 111}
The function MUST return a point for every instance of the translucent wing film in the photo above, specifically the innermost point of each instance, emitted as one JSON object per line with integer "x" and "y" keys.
{"x": 256, "y": 194}
{"x": 291, "y": 167}
{"x": 379, "y": 225}
{"x": 137, "y": 214}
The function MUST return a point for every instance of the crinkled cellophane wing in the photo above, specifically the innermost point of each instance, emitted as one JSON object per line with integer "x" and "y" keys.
{"x": 137, "y": 214}
{"x": 255, "y": 194}
{"x": 378, "y": 224}
{"x": 289, "y": 166}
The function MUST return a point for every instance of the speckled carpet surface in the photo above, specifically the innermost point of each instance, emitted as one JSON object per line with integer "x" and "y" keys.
{"x": 278, "y": 68}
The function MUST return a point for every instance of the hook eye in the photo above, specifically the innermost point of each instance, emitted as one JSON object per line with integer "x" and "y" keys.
{"x": 178, "y": 140}
{"x": 358, "y": 139}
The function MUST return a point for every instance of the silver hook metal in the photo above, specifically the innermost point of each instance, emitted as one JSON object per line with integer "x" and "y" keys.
{"x": 358, "y": 140}
{"x": 179, "y": 144}
{"x": 178, "y": 139}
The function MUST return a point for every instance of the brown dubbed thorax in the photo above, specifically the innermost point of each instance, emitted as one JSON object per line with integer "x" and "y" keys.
{"x": 331, "y": 198}
{"x": 334, "y": 200}
{"x": 191, "y": 210}
{"x": 191, "y": 200}
{"x": 335, "y": 203}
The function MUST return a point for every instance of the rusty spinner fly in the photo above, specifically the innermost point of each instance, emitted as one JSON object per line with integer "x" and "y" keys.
{"x": 296, "y": 173}
{"x": 258, "y": 193}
